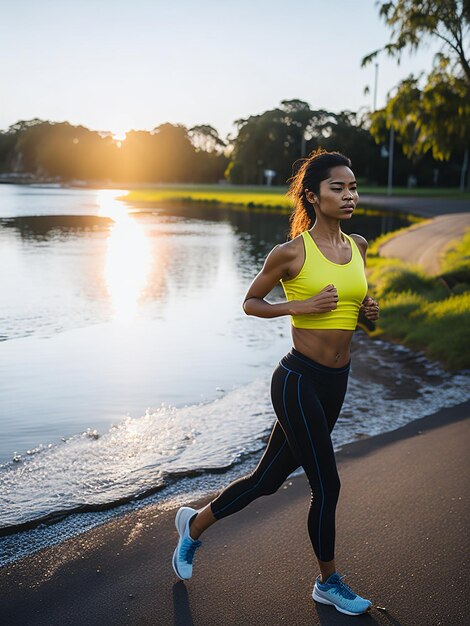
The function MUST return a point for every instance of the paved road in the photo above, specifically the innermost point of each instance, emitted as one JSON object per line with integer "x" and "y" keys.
{"x": 425, "y": 207}
{"x": 425, "y": 244}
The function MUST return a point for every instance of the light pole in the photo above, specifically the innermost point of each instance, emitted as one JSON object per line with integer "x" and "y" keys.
{"x": 375, "y": 85}
{"x": 390, "y": 160}
{"x": 391, "y": 142}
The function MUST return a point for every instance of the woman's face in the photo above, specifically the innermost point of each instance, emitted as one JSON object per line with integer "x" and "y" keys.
{"x": 338, "y": 194}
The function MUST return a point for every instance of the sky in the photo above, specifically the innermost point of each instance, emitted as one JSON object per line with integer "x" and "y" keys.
{"x": 117, "y": 65}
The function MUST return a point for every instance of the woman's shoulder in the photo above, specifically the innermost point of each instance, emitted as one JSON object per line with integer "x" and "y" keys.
{"x": 359, "y": 240}
{"x": 285, "y": 255}
{"x": 289, "y": 250}
{"x": 361, "y": 243}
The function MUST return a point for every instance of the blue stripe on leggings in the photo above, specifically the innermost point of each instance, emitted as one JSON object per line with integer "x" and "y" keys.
{"x": 284, "y": 394}
{"x": 260, "y": 479}
{"x": 318, "y": 468}
{"x": 313, "y": 447}
{"x": 287, "y": 370}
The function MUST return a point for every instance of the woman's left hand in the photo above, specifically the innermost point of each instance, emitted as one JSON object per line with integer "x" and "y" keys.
{"x": 370, "y": 308}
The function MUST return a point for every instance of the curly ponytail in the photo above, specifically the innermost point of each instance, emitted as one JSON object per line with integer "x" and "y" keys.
{"x": 308, "y": 174}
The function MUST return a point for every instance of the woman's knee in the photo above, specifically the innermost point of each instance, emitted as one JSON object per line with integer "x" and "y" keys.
{"x": 332, "y": 487}
{"x": 327, "y": 490}
{"x": 263, "y": 485}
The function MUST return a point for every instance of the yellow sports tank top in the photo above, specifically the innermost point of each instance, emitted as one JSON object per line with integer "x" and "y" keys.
{"x": 317, "y": 272}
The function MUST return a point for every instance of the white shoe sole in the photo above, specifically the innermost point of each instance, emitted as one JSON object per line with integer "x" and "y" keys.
{"x": 322, "y": 600}
{"x": 173, "y": 562}
{"x": 180, "y": 532}
{"x": 177, "y": 521}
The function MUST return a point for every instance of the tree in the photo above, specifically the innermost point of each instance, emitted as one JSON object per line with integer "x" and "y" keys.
{"x": 210, "y": 162}
{"x": 259, "y": 145}
{"x": 298, "y": 116}
{"x": 412, "y": 21}
{"x": 174, "y": 153}
{"x": 205, "y": 137}
{"x": 418, "y": 115}
{"x": 51, "y": 149}
{"x": 435, "y": 118}
{"x": 47, "y": 150}
{"x": 277, "y": 138}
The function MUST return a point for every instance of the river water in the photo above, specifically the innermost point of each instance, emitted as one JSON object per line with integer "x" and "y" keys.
{"x": 128, "y": 369}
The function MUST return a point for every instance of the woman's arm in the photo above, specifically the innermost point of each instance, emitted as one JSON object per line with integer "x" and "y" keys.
{"x": 278, "y": 265}
{"x": 369, "y": 305}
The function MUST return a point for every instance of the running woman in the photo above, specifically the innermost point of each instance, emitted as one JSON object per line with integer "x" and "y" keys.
{"x": 322, "y": 272}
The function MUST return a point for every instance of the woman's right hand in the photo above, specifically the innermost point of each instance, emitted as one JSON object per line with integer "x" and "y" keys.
{"x": 324, "y": 301}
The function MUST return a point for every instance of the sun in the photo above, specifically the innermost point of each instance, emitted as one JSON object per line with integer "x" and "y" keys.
{"x": 119, "y": 135}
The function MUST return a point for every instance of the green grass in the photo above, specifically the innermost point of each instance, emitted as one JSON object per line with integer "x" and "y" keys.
{"x": 440, "y": 329}
{"x": 257, "y": 196}
{"x": 458, "y": 255}
{"x": 243, "y": 198}
{"x": 422, "y": 312}
{"x": 227, "y": 196}
{"x": 456, "y": 265}
{"x": 253, "y": 199}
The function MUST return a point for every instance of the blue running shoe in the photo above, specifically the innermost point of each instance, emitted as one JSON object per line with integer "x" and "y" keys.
{"x": 184, "y": 552}
{"x": 333, "y": 591}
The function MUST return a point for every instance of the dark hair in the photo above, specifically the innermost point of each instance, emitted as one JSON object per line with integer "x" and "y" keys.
{"x": 308, "y": 174}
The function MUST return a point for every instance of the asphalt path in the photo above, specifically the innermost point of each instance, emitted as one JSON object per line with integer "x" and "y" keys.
{"x": 425, "y": 244}
{"x": 423, "y": 207}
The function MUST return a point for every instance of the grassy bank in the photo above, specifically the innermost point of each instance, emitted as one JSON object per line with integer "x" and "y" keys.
{"x": 242, "y": 197}
{"x": 425, "y": 313}
{"x": 239, "y": 198}
{"x": 258, "y": 197}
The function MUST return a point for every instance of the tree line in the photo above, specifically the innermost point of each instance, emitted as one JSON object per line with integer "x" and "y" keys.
{"x": 172, "y": 153}
{"x": 168, "y": 153}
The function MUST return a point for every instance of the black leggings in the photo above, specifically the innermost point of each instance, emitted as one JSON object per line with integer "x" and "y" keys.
{"x": 307, "y": 398}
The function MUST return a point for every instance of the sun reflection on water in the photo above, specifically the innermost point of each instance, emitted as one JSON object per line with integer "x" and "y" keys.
{"x": 128, "y": 258}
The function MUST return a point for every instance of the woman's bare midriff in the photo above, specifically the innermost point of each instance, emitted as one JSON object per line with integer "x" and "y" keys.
{"x": 324, "y": 345}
